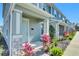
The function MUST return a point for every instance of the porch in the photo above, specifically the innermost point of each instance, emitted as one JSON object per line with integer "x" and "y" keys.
{"x": 60, "y": 27}
{"x": 27, "y": 26}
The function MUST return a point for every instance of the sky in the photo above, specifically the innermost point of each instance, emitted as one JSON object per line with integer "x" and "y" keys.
{"x": 1, "y": 19}
{"x": 70, "y": 10}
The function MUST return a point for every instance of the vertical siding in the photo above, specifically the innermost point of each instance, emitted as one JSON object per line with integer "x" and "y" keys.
{"x": 6, "y": 17}
{"x": 7, "y": 30}
{"x": 24, "y": 30}
{"x": 6, "y": 9}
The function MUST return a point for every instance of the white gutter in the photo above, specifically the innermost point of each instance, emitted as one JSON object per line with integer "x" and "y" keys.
{"x": 11, "y": 9}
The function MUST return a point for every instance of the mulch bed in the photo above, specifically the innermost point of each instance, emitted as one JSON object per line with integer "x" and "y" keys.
{"x": 63, "y": 44}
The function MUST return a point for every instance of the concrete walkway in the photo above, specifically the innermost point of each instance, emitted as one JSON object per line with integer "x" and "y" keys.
{"x": 73, "y": 48}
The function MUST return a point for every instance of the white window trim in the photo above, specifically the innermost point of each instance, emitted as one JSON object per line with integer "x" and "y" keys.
{"x": 18, "y": 19}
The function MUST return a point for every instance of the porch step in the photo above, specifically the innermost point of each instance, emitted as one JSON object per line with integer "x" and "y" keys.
{"x": 37, "y": 48}
{"x": 36, "y": 44}
{"x": 45, "y": 54}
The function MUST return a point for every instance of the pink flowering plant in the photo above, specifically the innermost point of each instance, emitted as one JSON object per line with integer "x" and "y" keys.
{"x": 46, "y": 42}
{"x": 45, "y": 38}
{"x": 27, "y": 49}
{"x": 66, "y": 33}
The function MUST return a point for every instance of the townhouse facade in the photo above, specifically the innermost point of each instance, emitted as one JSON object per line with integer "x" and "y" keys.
{"x": 1, "y": 29}
{"x": 27, "y": 22}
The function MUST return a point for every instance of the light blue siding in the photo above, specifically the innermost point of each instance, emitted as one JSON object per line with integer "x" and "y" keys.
{"x": 24, "y": 30}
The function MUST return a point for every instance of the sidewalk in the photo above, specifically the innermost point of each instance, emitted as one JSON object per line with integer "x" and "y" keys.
{"x": 73, "y": 48}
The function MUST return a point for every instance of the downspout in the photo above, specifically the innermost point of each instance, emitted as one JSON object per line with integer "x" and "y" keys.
{"x": 28, "y": 32}
{"x": 11, "y": 9}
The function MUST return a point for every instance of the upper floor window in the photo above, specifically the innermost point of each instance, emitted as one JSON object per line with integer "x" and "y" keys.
{"x": 52, "y": 11}
{"x": 45, "y": 7}
{"x": 55, "y": 13}
{"x": 63, "y": 18}
{"x": 49, "y": 9}
{"x": 40, "y": 5}
{"x": 59, "y": 16}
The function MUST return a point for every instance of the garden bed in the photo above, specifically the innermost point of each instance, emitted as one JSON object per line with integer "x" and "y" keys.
{"x": 57, "y": 47}
{"x": 3, "y": 48}
{"x": 63, "y": 44}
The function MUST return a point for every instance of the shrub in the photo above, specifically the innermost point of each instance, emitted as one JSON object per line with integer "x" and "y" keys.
{"x": 55, "y": 51}
{"x": 70, "y": 36}
{"x": 51, "y": 46}
{"x": 53, "y": 43}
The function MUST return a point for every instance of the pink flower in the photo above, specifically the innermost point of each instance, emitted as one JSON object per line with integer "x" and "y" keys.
{"x": 66, "y": 33}
{"x": 45, "y": 38}
{"x": 27, "y": 48}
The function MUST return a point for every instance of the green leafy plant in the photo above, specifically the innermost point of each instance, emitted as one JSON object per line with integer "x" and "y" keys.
{"x": 51, "y": 46}
{"x": 53, "y": 43}
{"x": 70, "y": 37}
{"x": 55, "y": 51}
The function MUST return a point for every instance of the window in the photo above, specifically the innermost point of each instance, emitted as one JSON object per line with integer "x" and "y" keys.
{"x": 40, "y": 5}
{"x": 52, "y": 11}
{"x": 42, "y": 28}
{"x": 63, "y": 18}
{"x": 49, "y": 10}
{"x": 55, "y": 13}
{"x": 44, "y": 7}
{"x": 59, "y": 16}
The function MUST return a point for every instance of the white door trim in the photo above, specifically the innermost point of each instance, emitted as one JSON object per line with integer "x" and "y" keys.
{"x": 28, "y": 28}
